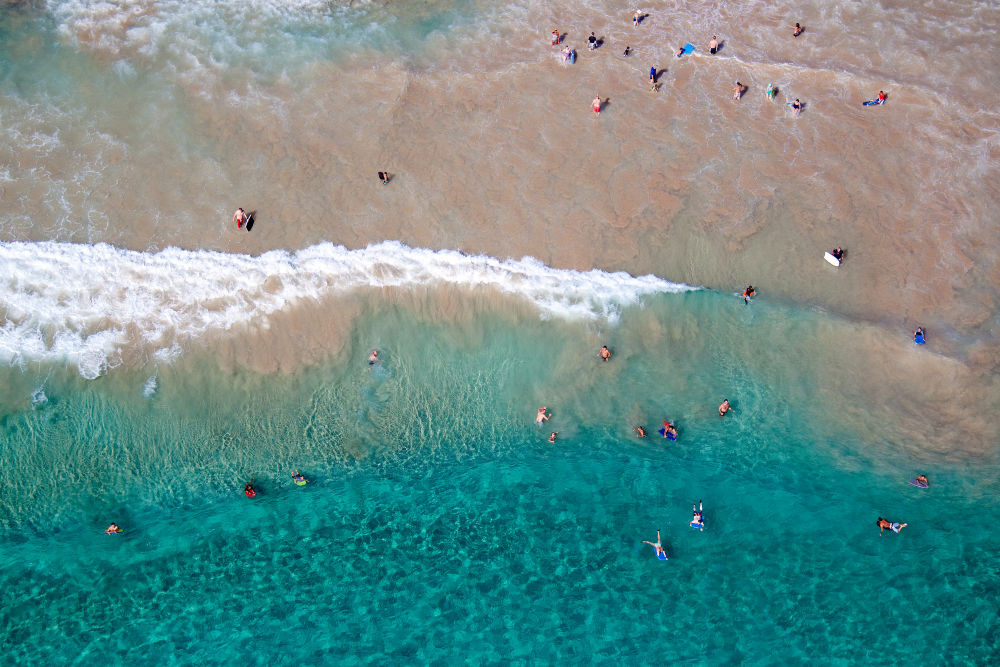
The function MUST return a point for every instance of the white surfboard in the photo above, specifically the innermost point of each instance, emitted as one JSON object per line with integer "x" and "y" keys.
{"x": 830, "y": 258}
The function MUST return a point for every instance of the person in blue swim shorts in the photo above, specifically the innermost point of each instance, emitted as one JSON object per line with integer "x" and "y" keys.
{"x": 660, "y": 551}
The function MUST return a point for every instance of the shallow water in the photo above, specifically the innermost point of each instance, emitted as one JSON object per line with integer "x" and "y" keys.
{"x": 157, "y": 358}
{"x": 439, "y": 524}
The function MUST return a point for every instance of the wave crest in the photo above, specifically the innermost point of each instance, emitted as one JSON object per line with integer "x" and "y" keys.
{"x": 85, "y": 303}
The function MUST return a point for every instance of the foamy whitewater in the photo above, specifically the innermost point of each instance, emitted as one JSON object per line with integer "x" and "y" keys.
{"x": 157, "y": 360}
{"x": 83, "y": 304}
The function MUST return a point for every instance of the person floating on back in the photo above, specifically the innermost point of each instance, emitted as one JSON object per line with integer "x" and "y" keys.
{"x": 885, "y": 523}
{"x": 697, "y": 517}
{"x": 724, "y": 408}
{"x": 658, "y": 545}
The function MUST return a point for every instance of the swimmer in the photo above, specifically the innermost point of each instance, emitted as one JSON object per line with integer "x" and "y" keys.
{"x": 628, "y": 51}
{"x": 698, "y": 517}
{"x": 542, "y": 416}
{"x": 881, "y": 97}
{"x": 636, "y": 18}
{"x": 652, "y": 75}
{"x": 596, "y": 105}
{"x": 796, "y": 107}
{"x": 555, "y": 37}
{"x": 748, "y": 293}
{"x": 918, "y": 336}
{"x": 240, "y": 218}
{"x": 679, "y": 52}
{"x": 669, "y": 429}
{"x": 738, "y": 91}
{"x": 770, "y": 92}
{"x": 112, "y": 529}
{"x": 796, "y": 30}
{"x": 838, "y": 254}
{"x": 605, "y": 353}
{"x": 299, "y": 478}
{"x": 552, "y": 436}
{"x": 249, "y": 491}
{"x": 566, "y": 53}
{"x": 658, "y": 545}
{"x": 923, "y": 482}
{"x": 591, "y": 42}
{"x": 884, "y": 523}
{"x": 373, "y": 358}
{"x": 724, "y": 408}
{"x": 384, "y": 177}
{"x": 713, "y": 46}
{"x": 640, "y": 431}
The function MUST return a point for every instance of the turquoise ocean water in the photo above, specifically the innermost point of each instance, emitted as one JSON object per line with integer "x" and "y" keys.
{"x": 439, "y": 526}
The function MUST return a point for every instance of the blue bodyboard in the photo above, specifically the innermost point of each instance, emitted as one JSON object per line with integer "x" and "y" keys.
{"x": 688, "y": 48}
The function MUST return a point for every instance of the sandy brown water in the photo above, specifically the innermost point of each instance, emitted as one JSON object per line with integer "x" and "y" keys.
{"x": 493, "y": 149}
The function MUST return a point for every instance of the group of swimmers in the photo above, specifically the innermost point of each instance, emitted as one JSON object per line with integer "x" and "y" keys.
{"x": 714, "y": 46}
{"x": 919, "y": 481}
{"x": 697, "y": 522}
{"x": 669, "y": 431}
{"x": 298, "y": 478}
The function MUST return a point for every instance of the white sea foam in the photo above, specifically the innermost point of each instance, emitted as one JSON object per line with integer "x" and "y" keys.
{"x": 38, "y": 398}
{"x": 86, "y": 303}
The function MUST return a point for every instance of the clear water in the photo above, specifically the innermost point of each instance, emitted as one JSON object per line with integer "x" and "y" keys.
{"x": 440, "y": 526}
